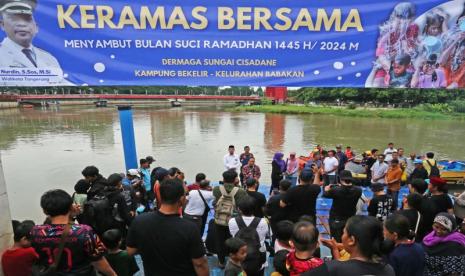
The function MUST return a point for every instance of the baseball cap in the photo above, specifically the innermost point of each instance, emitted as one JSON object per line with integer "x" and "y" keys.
{"x": 306, "y": 175}
{"x": 377, "y": 187}
{"x": 437, "y": 181}
{"x": 338, "y": 146}
{"x": 18, "y": 6}
{"x": 150, "y": 159}
{"x": 418, "y": 161}
{"x": 345, "y": 175}
{"x": 134, "y": 172}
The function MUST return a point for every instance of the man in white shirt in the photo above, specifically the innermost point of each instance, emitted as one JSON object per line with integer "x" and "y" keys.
{"x": 388, "y": 152}
{"x": 231, "y": 160}
{"x": 198, "y": 203}
{"x": 379, "y": 170}
{"x": 246, "y": 208}
{"x": 17, "y": 50}
{"x": 330, "y": 165}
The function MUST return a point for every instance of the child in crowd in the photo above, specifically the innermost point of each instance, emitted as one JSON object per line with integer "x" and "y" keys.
{"x": 381, "y": 205}
{"x": 18, "y": 260}
{"x": 119, "y": 260}
{"x": 305, "y": 241}
{"x": 80, "y": 193}
{"x": 237, "y": 251}
{"x": 283, "y": 236}
{"x": 436, "y": 23}
{"x": 337, "y": 249}
{"x": 428, "y": 76}
{"x": 399, "y": 75}
{"x": 279, "y": 263}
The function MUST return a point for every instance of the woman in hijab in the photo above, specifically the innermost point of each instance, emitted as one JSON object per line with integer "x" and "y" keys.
{"x": 292, "y": 169}
{"x": 277, "y": 170}
{"x": 444, "y": 247}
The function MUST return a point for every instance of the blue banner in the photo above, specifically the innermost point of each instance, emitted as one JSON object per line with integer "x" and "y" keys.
{"x": 358, "y": 43}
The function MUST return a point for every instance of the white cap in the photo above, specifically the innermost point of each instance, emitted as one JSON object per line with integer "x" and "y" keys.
{"x": 134, "y": 172}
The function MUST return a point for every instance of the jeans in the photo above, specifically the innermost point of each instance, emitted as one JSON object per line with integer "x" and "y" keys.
{"x": 222, "y": 234}
{"x": 395, "y": 197}
{"x": 329, "y": 179}
{"x": 336, "y": 227}
{"x": 293, "y": 180}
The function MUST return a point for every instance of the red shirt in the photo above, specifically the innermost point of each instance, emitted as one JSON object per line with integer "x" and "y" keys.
{"x": 193, "y": 186}
{"x": 18, "y": 261}
{"x": 297, "y": 266}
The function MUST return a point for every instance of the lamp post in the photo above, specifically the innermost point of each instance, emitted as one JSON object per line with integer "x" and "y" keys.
{"x": 127, "y": 134}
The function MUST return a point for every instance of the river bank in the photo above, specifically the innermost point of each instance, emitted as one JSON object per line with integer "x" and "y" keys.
{"x": 394, "y": 113}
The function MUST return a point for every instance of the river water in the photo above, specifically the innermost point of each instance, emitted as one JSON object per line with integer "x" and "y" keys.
{"x": 43, "y": 149}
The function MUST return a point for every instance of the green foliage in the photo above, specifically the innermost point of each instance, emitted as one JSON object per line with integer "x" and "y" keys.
{"x": 439, "y": 108}
{"x": 393, "y": 113}
{"x": 458, "y": 106}
{"x": 351, "y": 106}
{"x": 378, "y": 96}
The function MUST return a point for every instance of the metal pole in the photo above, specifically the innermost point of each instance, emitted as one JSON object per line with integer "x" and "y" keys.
{"x": 6, "y": 229}
{"x": 127, "y": 133}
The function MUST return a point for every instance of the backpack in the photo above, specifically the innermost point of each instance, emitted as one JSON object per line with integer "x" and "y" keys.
{"x": 255, "y": 258}
{"x": 98, "y": 213}
{"x": 225, "y": 206}
{"x": 434, "y": 172}
{"x": 127, "y": 194}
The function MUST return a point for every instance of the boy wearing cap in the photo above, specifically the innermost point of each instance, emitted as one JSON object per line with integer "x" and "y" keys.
{"x": 17, "y": 50}
{"x": 381, "y": 205}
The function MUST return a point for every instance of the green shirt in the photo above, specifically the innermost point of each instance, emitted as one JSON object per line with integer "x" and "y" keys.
{"x": 122, "y": 263}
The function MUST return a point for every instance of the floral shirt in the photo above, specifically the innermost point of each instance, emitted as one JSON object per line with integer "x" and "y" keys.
{"x": 82, "y": 247}
{"x": 251, "y": 172}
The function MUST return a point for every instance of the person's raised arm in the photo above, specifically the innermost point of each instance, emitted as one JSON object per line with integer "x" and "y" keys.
{"x": 104, "y": 267}
{"x": 201, "y": 266}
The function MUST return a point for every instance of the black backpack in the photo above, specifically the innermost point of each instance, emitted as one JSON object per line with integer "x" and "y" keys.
{"x": 98, "y": 213}
{"x": 434, "y": 172}
{"x": 127, "y": 194}
{"x": 255, "y": 259}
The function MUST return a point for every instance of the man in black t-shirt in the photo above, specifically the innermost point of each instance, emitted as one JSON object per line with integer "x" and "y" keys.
{"x": 301, "y": 199}
{"x": 381, "y": 205}
{"x": 273, "y": 211}
{"x": 345, "y": 197}
{"x": 439, "y": 199}
{"x": 260, "y": 199}
{"x": 168, "y": 244}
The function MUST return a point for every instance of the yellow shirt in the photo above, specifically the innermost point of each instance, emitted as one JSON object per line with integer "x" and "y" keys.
{"x": 427, "y": 166}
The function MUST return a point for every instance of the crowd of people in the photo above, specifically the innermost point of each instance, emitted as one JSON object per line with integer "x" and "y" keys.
{"x": 154, "y": 213}
{"x": 426, "y": 53}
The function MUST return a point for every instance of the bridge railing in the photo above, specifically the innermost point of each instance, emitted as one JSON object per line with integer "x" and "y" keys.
{"x": 4, "y": 97}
